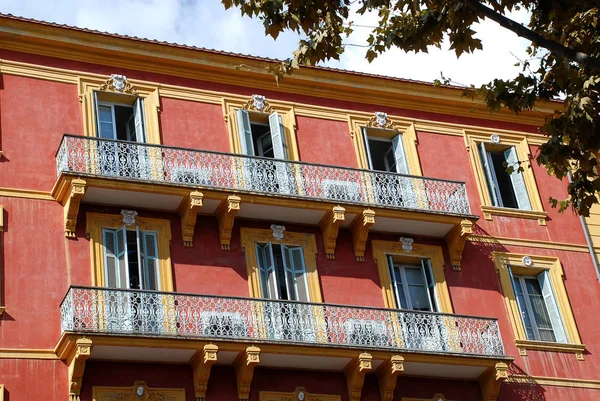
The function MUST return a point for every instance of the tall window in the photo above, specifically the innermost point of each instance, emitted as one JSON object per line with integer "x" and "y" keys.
{"x": 122, "y": 119}
{"x": 131, "y": 259}
{"x": 506, "y": 190}
{"x": 262, "y": 136}
{"x": 282, "y": 272}
{"x": 538, "y": 308}
{"x": 413, "y": 285}
{"x": 384, "y": 154}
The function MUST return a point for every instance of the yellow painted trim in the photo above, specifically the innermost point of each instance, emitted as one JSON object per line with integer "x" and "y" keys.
{"x": 552, "y": 264}
{"x": 231, "y": 103}
{"x": 554, "y": 381}
{"x": 472, "y": 139}
{"x": 145, "y": 90}
{"x": 95, "y": 222}
{"x": 1, "y": 219}
{"x": 1, "y": 392}
{"x": 26, "y": 193}
{"x": 419, "y": 251}
{"x": 105, "y": 393}
{"x": 560, "y": 246}
{"x": 284, "y": 396}
{"x": 250, "y": 236}
{"x": 406, "y": 127}
{"x": 26, "y": 353}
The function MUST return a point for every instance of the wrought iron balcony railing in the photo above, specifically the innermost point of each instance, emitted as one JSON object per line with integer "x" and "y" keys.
{"x": 178, "y": 166}
{"x": 150, "y": 313}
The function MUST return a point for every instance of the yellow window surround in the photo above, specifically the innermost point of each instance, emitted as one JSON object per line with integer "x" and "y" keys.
{"x": 101, "y": 393}
{"x": 284, "y": 109}
{"x": 251, "y": 236}
{"x": 392, "y": 127}
{"x": 381, "y": 249}
{"x": 540, "y": 263}
{"x": 472, "y": 140}
{"x": 299, "y": 394}
{"x": 95, "y": 222}
{"x": 2, "y": 307}
{"x": 106, "y": 88}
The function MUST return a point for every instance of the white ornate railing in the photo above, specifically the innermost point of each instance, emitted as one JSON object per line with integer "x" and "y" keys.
{"x": 151, "y": 313}
{"x": 177, "y": 166}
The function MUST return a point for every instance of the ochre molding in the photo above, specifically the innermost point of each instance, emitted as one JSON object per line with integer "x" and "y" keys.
{"x": 435, "y": 255}
{"x": 226, "y": 215}
{"x": 1, "y": 219}
{"x": 554, "y": 381}
{"x": 355, "y": 373}
{"x": 95, "y": 222}
{"x": 131, "y": 393}
{"x": 456, "y": 239}
{"x": 490, "y": 381}
{"x": 330, "y": 226}
{"x": 552, "y": 264}
{"x": 71, "y": 206}
{"x": 387, "y": 374}
{"x": 530, "y": 243}
{"x": 26, "y": 193}
{"x": 188, "y": 211}
{"x": 360, "y": 232}
{"x": 201, "y": 364}
{"x": 295, "y": 396}
{"x": 490, "y": 211}
{"x": 250, "y": 236}
{"x": 244, "y": 370}
{"x": 76, "y": 363}
{"x": 26, "y": 353}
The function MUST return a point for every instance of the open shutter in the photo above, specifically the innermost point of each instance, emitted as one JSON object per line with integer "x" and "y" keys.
{"x": 138, "y": 117}
{"x": 367, "y": 148}
{"x": 398, "y": 146}
{"x": 490, "y": 175}
{"x": 294, "y": 263}
{"x": 115, "y": 258}
{"x": 277, "y": 136}
{"x": 428, "y": 270}
{"x": 552, "y": 307}
{"x": 520, "y": 303}
{"x": 245, "y": 131}
{"x": 266, "y": 269}
{"x": 96, "y": 113}
{"x": 518, "y": 182}
{"x": 141, "y": 256}
{"x": 151, "y": 251}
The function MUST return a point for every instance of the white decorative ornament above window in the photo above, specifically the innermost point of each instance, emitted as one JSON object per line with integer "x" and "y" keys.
{"x": 118, "y": 83}
{"x": 129, "y": 216}
{"x": 495, "y": 138}
{"x": 407, "y": 243}
{"x": 140, "y": 391}
{"x": 259, "y": 102}
{"x": 381, "y": 118}
{"x": 301, "y": 396}
{"x": 277, "y": 231}
{"x": 527, "y": 261}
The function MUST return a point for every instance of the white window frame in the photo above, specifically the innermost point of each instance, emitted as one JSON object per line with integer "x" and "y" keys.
{"x": 287, "y": 267}
{"x": 433, "y": 303}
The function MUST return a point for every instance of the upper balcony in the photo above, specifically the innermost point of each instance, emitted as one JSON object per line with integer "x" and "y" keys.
{"x": 127, "y": 173}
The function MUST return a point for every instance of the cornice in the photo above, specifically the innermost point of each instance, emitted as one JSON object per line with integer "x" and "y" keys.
{"x": 95, "y": 48}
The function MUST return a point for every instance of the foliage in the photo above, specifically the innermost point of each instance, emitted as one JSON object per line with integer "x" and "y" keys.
{"x": 565, "y": 42}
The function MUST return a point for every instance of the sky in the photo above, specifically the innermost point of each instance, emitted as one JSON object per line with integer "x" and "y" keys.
{"x": 205, "y": 23}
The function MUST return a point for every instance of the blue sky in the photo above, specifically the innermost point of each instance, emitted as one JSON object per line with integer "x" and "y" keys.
{"x": 205, "y": 23}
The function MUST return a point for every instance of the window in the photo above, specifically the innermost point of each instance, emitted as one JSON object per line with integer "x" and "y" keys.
{"x": 413, "y": 285}
{"x": 282, "y": 272}
{"x": 538, "y": 308}
{"x": 130, "y": 257}
{"x": 506, "y": 190}
{"x": 537, "y": 302}
{"x": 261, "y": 135}
{"x": 120, "y": 120}
{"x": 385, "y": 154}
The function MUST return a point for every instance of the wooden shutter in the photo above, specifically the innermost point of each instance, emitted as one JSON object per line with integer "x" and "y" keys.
{"x": 552, "y": 307}
{"x": 398, "y": 146}
{"x": 96, "y": 114}
{"x": 277, "y": 136}
{"x": 115, "y": 258}
{"x": 428, "y": 285}
{"x": 295, "y": 269}
{"x": 245, "y": 132}
{"x": 147, "y": 260}
{"x": 426, "y": 265}
{"x": 266, "y": 271}
{"x": 490, "y": 175}
{"x": 518, "y": 182}
{"x": 138, "y": 118}
{"x": 522, "y": 308}
{"x": 367, "y": 148}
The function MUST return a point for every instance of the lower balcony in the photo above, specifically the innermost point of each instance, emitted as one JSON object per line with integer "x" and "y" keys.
{"x": 203, "y": 330}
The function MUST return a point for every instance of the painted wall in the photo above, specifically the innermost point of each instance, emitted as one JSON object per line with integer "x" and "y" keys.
{"x": 34, "y": 379}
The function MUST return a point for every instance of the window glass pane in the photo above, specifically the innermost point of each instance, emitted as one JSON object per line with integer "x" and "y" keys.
{"x": 300, "y": 273}
{"x": 152, "y": 262}
{"x": 280, "y": 272}
{"x": 419, "y": 298}
{"x": 399, "y": 288}
{"x": 390, "y": 160}
{"x": 523, "y": 309}
{"x": 414, "y": 276}
{"x": 106, "y": 122}
{"x": 540, "y": 313}
{"x": 504, "y": 183}
{"x": 132, "y": 260}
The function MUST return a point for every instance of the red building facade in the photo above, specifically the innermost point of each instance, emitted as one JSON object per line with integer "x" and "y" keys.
{"x": 176, "y": 228}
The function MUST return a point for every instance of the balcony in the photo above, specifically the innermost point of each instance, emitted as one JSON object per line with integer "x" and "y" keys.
{"x": 174, "y": 315}
{"x": 139, "y": 175}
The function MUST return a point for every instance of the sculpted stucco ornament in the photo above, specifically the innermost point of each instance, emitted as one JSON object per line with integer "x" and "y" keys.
{"x": 527, "y": 261}
{"x": 382, "y": 121}
{"x": 495, "y": 138}
{"x": 277, "y": 231}
{"x": 129, "y": 216}
{"x": 118, "y": 83}
{"x": 407, "y": 243}
{"x": 258, "y": 103}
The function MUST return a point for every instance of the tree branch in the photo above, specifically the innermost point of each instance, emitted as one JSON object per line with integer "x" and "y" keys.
{"x": 524, "y": 32}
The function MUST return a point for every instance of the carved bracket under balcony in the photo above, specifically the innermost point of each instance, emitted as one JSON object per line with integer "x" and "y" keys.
{"x": 387, "y": 374}
{"x": 244, "y": 370}
{"x": 201, "y": 364}
{"x": 226, "y": 214}
{"x": 76, "y": 363}
{"x": 188, "y": 210}
{"x": 490, "y": 381}
{"x": 456, "y": 239}
{"x": 355, "y": 373}
{"x": 330, "y": 226}
{"x": 73, "y": 200}
{"x": 360, "y": 232}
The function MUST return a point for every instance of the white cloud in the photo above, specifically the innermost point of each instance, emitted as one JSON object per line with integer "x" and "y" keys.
{"x": 205, "y": 23}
